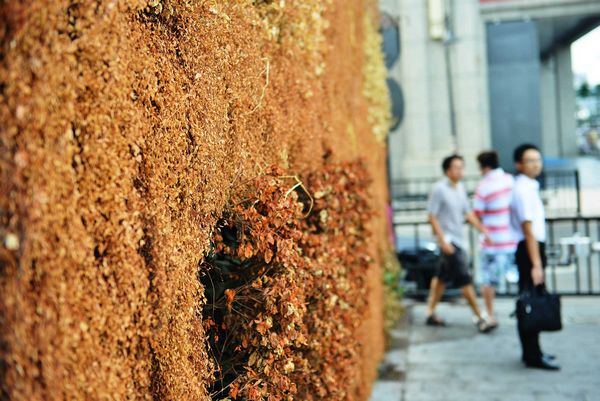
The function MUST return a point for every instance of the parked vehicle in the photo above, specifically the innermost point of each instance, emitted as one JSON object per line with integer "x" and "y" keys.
{"x": 419, "y": 258}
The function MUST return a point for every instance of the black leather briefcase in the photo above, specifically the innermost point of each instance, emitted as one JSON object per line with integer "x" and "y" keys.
{"x": 539, "y": 310}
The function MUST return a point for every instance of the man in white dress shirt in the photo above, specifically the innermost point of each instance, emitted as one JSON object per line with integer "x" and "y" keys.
{"x": 529, "y": 226}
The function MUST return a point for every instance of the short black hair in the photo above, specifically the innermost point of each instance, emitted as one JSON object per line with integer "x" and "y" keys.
{"x": 488, "y": 158}
{"x": 520, "y": 151}
{"x": 448, "y": 161}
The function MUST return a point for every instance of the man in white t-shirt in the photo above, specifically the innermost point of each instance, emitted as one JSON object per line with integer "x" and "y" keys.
{"x": 448, "y": 208}
{"x": 528, "y": 223}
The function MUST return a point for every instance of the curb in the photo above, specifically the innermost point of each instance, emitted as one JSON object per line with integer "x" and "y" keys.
{"x": 392, "y": 370}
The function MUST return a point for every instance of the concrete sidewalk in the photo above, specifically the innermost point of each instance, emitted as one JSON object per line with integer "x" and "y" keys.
{"x": 458, "y": 363}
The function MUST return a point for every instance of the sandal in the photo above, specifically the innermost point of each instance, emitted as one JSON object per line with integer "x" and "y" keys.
{"x": 484, "y": 327}
{"x": 435, "y": 320}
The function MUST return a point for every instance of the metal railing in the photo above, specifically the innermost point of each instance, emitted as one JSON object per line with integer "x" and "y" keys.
{"x": 561, "y": 193}
{"x": 572, "y": 250}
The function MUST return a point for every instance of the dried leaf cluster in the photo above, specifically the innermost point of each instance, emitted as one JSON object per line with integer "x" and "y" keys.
{"x": 374, "y": 75}
{"x": 285, "y": 287}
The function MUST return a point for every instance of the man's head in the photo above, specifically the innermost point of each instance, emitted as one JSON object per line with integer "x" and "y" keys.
{"x": 528, "y": 160}
{"x": 488, "y": 160}
{"x": 454, "y": 167}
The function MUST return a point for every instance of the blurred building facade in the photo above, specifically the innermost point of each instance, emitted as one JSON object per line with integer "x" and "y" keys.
{"x": 477, "y": 74}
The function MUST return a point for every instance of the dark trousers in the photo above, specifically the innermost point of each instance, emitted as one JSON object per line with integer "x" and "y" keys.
{"x": 530, "y": 340}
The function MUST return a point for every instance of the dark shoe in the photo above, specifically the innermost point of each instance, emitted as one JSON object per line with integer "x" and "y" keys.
{"x": 544, "y": 363}
{"x": 549, "y": 357}
{"x": 435, "y": 320}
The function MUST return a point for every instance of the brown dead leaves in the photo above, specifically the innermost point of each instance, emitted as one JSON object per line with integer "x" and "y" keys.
{"x": 297, "y": 291}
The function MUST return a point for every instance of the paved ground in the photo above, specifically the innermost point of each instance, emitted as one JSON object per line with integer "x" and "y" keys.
{"x": 457, "y": 363}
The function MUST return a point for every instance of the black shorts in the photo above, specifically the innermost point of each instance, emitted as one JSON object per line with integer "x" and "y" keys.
{"x": 454, "y": 269}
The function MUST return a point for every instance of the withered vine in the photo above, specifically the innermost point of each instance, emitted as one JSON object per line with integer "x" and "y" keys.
{"x": 285, "y": 287}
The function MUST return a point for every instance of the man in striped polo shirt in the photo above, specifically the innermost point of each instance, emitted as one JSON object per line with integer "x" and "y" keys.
{"x": 492, "y": 206}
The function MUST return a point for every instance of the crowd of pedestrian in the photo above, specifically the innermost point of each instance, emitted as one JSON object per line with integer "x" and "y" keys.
{"x": 508, "y": 212}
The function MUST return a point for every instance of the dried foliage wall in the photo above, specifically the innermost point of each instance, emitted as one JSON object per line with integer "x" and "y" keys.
{"x": 285, "y": 287}
{"x": 126, "y": 129}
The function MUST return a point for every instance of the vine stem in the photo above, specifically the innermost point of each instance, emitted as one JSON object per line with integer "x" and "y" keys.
{"x": 301, "y": 185}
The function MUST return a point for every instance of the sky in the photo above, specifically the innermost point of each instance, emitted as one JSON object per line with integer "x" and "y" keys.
{"x": 585, "y": 54}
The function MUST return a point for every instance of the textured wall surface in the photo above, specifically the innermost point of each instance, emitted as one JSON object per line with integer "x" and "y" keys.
{"x": 125, "y": 127}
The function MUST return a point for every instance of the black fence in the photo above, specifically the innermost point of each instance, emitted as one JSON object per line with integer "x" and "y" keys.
{"x": 560, "y": 191}
{"x": 572, "y": 249}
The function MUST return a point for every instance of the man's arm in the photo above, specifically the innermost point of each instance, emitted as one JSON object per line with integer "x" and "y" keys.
{"x": 533, "y": 249}
{"x": 473, "y": 220}
{"x": 447, "y": 248}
